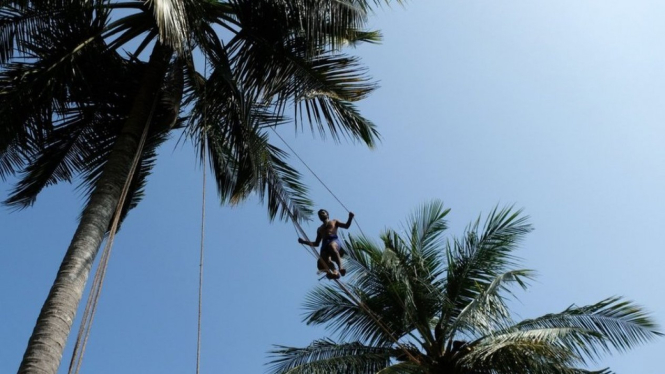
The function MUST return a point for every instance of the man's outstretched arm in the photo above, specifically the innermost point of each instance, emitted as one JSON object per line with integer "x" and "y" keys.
{"x": 311, "y": 244}
{"x": 348, "y": 222}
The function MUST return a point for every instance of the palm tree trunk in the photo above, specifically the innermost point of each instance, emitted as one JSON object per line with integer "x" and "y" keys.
{"x": 47, "y": 343}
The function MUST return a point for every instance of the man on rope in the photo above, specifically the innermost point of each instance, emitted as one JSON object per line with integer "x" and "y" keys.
{"x": 331, "y": 247}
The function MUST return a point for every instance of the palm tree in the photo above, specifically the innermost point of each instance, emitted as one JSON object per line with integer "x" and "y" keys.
{"x": 85, "y": 86}
{"x": 433, "y": 306}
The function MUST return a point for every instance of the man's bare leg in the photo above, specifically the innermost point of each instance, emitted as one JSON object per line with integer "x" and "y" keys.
{"x": 334, "y": 254}
{"x": 330, "y": 270}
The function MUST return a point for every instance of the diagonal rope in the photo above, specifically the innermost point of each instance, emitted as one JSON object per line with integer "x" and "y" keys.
{"x": 317, "y": 177}
{"x": 100, "y": 273}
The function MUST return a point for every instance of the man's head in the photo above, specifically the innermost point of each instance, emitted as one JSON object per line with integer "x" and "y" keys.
{"x": 323, "y": 215}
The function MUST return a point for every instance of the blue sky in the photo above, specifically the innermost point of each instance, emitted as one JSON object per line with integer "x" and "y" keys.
{"x": 556, "y": 107}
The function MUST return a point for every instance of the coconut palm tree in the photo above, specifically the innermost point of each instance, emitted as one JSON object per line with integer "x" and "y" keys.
{"x": 422, "y": 304}
{"x": 85, "y": 86}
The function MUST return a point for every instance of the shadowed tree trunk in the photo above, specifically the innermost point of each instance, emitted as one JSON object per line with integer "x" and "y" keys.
{"x": 47, "y": 343}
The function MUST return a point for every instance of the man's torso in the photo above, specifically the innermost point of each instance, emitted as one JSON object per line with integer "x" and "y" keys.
{"x": 328, "y": 229}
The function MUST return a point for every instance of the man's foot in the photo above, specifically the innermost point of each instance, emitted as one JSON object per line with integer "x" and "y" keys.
{"x": 332, "y": 275}
{"x": 342, "y": 271}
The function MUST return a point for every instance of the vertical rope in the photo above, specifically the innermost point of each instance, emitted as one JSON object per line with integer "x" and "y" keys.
{"x": 203, "y": 217}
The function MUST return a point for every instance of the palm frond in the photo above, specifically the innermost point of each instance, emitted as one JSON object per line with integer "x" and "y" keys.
{"x": 537, "y": 351}
{"x": 23, "y": 22}
{"x": 320, "y": 22}
{"x": 128, "y": 28}
{"x": 425, "y": 227}
{"x": 172, "y": 22}
{"x": 327, "y": 356}
{"x": 42, "y": 86}
{"x": 275, "y": 182}
{"x": 327, "y": 305}
{"x": 621, "y": 324}
{"x": 519, "y": 353}
{"x": 12, "y": 159}
{"x": 280, "y": 70}
{"x": 475, "y": 261}
{"x": 242, "y": 158}
{"x": 58, "y": 161}
{"x": 488, "y": 312}
{"x": 412, "y": 283}
{"x": 17, "y": 26}
{"x": 339, "y": 117}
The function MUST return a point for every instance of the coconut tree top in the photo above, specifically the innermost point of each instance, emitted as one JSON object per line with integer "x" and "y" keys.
{"x": 70, "y": 71}
{"x": 444, "y": 302}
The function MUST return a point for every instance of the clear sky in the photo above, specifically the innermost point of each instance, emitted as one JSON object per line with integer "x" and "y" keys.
{"x": 554, "y": 106}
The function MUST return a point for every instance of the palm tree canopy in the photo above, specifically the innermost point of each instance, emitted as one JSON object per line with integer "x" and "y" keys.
{"x": 443, "y": 307}
{"x": 90, "y": 89}
{"x": 70, "y": 70}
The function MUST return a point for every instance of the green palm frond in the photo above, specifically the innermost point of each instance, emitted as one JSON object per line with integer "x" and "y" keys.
{"x": 620, "y": 324}
{"x": 536, "y": 351}
{"x": 426, "y": 226}
{"x": 578, "y": 336}
{"x": 400, "y": 280}
{"x": 516, "y": 358}
{"x": 12, "y": 158}
{"x": 342, "y": 314}
{"x": 326, "y": 356}
{"x": 475, "y": 261}
{"x": 356, "y": 37}
{"x": 365, "y": 256}
{"x": 249, "y": 164}
{"x": 488, "y": 312}
{"x": 389, "y": 289}
{"x": 412, "y": 283}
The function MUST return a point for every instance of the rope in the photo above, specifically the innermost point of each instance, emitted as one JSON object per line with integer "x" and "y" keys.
{"x": 310, "y": 169}
{"x": 100, "y": 274}
{"x": 317, "y": 177}
{"x": 203, "y": 217}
